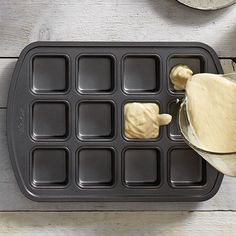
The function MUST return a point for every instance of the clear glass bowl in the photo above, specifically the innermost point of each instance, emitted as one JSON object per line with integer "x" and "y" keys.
{"x": 223, "y": 162}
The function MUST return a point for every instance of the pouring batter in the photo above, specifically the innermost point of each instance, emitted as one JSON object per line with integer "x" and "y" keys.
{"x": 211, "y": 107}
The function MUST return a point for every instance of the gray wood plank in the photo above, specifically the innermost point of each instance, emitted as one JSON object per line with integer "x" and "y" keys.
{"x": 6, "y": 69}
{"x": 228, "y": 65}
{"x": 113, "y": 20}
{"x": 11, "y": 198}
{"x": 113, "y": 223}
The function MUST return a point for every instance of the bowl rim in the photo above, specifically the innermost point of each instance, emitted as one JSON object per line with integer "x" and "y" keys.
{"x": 210, "y": 8}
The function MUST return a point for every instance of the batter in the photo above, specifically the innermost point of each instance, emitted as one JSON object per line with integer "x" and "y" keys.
{"x": 142, "y": 120}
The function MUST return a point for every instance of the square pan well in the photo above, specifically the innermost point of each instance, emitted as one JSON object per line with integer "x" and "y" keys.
{"x": 95, "y": 167}
{"x": 95, "y": 120}
{"x": 158, "y": 138}
{"x": 49, "y": 167}
{"x": 95, "y": 74}
{"x": 186, "y": 169}
{"x": 141, "y": 167}
{"x": 141, "y": 74}
{"x": 45, "y": 79}
{"x": 196, "y": 62}
{"x": 173, "y": 129}
{"x": 49, "y": 120}
{"x": 65, "y": 135}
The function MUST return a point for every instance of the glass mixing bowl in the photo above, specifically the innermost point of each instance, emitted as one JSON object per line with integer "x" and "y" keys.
{"x": 223, "y": 162}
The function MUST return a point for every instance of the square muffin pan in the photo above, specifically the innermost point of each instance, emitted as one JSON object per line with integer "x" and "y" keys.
{"x": 65, "y": 123}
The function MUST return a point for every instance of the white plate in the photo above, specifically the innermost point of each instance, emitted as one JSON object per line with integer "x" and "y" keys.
{"x": 207, "y": 4}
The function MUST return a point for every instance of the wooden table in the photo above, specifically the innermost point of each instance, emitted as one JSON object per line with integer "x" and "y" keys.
{"x": 22, "y": 22}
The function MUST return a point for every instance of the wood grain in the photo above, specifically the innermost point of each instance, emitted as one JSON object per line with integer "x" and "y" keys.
{"x": 113, "y": 223}
{"x": 6, "y": 70}
{"x": 229, "y": 66}
{"x": 22, "y": 22}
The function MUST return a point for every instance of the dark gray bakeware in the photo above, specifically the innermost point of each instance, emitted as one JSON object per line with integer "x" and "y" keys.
{"x": 65, "y": 123}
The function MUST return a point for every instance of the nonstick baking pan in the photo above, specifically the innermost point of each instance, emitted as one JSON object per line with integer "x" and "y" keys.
{"x": 65, "y": 123}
